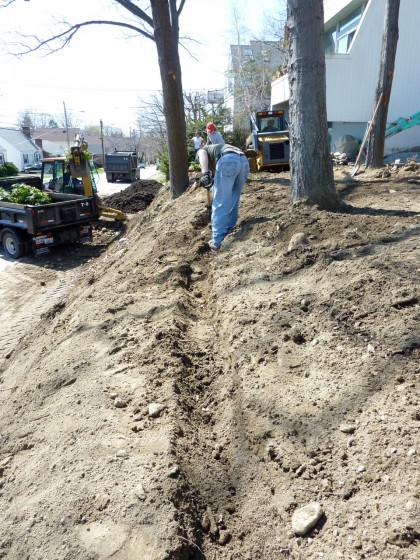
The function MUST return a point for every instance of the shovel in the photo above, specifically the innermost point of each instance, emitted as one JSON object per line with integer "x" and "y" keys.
{"x": 365, "y": 137}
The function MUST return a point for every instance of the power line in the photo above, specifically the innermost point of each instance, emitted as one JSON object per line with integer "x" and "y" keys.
{"x": 124, "y": 90}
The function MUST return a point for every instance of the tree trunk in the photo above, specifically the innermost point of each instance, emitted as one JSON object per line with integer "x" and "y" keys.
{"x": 375, "y": 154}
{"x": 166, "y": 34}
{"x": 312, "y": 177}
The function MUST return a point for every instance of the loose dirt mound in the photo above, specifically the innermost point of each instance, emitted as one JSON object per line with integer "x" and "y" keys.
{"x": 182, "y": 404}
{"x": 134, "y": 198}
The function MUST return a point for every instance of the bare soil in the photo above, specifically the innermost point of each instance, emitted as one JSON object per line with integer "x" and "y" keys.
{"x": 160, "y": 401}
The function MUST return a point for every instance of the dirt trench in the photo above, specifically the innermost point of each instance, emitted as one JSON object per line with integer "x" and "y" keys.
{"x": 182, "y": 404}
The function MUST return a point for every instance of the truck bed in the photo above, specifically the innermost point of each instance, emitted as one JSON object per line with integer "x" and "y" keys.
{"x": 63, "y": 211}
{"x": 31, "y": 180}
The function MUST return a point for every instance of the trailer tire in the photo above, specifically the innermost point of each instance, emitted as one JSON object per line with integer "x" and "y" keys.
{"x": 13, "y": 243}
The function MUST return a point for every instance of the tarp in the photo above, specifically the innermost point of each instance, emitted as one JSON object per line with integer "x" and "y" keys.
{"x": 348, "y": 145}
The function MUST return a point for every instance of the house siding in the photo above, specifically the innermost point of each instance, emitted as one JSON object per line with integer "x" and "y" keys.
{"x": 351, "y": 78}
{"x": 15, "y": 146}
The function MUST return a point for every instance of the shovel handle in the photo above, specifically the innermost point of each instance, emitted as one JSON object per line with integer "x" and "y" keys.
{"x": 208, "y": 198}
{"x": 366, "y": 136}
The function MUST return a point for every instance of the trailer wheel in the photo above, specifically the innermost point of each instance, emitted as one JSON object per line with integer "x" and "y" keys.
{"x": 13, "y": 243}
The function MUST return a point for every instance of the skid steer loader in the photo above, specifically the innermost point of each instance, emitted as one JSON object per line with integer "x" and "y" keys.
{"x": 269, "y": 139}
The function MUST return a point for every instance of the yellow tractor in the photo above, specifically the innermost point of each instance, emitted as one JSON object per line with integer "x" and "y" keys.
{"x": 74, "y": 175}
{"x": 268, "y": 143}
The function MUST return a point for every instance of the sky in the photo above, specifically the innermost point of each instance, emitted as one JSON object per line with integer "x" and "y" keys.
{"x": 103, "y": 74}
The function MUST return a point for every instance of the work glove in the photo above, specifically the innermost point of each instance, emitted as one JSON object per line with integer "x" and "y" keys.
{"x": 206, "y": 180}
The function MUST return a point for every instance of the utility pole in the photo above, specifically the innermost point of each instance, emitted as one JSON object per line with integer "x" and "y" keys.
{"x": 67, "y": 124}
{"x": 102, "y": 144}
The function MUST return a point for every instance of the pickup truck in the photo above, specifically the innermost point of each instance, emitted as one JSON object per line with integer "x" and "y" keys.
{"x": 26, "y": 228}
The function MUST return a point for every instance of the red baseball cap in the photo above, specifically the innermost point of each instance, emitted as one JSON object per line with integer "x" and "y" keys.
{"x": 210, "y": 127}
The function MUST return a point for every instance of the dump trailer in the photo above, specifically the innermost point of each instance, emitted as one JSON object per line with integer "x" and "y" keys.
{"x": 122, "y": 166}
{"x": 27, "y": 228}
{"x": 270, "y": 139}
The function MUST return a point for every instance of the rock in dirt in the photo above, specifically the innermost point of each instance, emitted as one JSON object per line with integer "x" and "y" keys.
{"x": 347, "y": 428}
{"x": 101, "y": 501}
{"x": 306, "y": 517}
{"x": 297, "y": 240}
{"x": 119, "y": 403}
{"x": 209, "y": 524}
{"x": 224, "y": 537}
{"x": 140, "y": 492}
{"x": 155, "y": 409}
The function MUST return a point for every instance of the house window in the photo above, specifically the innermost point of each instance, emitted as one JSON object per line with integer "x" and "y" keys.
{"x": 339, "y": 38}
{"x": 329, "y": 42}
{"x": 25, "y": 159}
{"x": 265, "y": 55}
{"x": 247, "y": 52}
{"x": 1, "y": 159}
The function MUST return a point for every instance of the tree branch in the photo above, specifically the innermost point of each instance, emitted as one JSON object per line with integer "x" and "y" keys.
{"x": 136, "y": 11}
{"x": 181, "y": 7}
{"x": 7, "y": 3}
{"x": 67, "y": 35}
{"x": 174, "y": 19}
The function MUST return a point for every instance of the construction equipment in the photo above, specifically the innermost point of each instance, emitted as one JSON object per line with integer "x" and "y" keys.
{"x": 270, "y": 139}
{"x": 394, "y": 128}
{"x": 402, "y": 124}
{"x": 74, "y": 175}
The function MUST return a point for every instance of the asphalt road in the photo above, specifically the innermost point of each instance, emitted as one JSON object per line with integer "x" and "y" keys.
{"x": 106, "y": 189}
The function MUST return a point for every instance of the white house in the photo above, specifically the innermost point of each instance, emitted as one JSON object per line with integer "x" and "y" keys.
{"x": 16, "y": 148}
{"x": 353, "y": 44}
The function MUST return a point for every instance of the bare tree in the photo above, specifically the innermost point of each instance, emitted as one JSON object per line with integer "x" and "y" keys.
{"x": 375, "y": 153}
{"x": 33, "y": 120}
{"x": 312, "y": 177}
{"x": 195, "y": 106}
{"x": 162, "y": 27}
{"x": 253, "y": 65}
{"x": 26, "y": 120}
{"x": 152, "y": 126}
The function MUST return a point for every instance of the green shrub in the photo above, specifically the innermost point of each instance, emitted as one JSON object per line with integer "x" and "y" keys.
{"x": 2, "y": 171}
{"x": 236, "y": 138}
{"x": 11, "y": 168}
{"x": 164, "y": 163}
{"x": 24, "y": 194}
{"x": 194, "y": 166}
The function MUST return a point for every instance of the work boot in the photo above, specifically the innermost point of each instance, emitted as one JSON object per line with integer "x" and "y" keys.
{"x": 213, "y": 246}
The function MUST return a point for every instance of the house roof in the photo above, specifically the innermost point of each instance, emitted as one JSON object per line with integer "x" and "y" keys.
{"x": 54, "y": 148}
{"x": 18, "y": 140}
{"x": 54, "y": 140}
{"x": 95, "y": 145}
{"x": 55, "y": 134}
{"x": 338, "y": 9}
